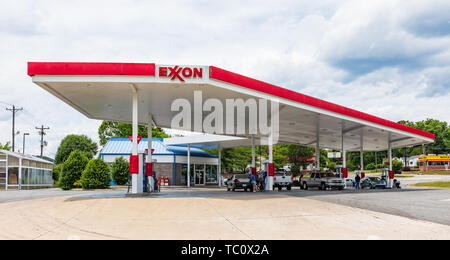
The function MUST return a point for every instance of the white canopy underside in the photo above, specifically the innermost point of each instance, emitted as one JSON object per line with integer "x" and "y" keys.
{"x": 110, "y": 98}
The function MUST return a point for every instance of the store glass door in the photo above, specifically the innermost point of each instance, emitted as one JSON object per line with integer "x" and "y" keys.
{"x": 199, "y": 175}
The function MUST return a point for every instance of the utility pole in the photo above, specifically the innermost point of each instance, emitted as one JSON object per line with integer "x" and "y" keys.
{"x": 42, "y": 133}
{"x": 14, "y": 110}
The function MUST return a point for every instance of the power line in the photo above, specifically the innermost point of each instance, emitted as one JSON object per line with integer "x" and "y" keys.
{"x": 14, "y": 110}
{"x": 5, "y": 103}
{"x": 42, "y": 133}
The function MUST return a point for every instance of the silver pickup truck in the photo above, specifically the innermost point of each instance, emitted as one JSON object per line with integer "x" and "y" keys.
{"x": 323, "y": 180}
{"x": 281, "y": 179}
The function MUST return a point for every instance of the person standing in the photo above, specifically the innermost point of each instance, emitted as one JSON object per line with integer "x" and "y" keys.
{"x": 357, "y": 181}
{"x": 253, "y": 181}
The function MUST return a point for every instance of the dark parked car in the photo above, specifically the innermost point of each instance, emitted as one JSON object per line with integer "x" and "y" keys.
{"x": 373, "y": 183}
{"x": 239, "y": 181}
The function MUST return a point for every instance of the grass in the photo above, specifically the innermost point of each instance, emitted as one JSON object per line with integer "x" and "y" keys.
{"x": 436, "y": 172}
{"x": 436, "y": 184}
{"x": 403, "y": 176}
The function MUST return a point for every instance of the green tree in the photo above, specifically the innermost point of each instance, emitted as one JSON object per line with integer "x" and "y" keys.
{"x": 299, "y": 155}
{"x": 236, "y": 159}
{"x": 110, "y": 129}
{"x": 96, "y": 175}
{"x": 79, "y": 143}
{"x": 72, "y": 169}
{"x": 280, "y": 156}
{"x": 440, "y": 129}
{"x": 120, "y": 171}
{"x": 6, "y": 146}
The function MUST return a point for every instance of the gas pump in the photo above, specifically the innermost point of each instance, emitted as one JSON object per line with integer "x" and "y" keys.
{"x": 388, "y": 177}
{"x": 339, "y": 171}
{"x": 149, "y": 173}
{"x": 145, "y": 180}
{"x": 269, "y": 173}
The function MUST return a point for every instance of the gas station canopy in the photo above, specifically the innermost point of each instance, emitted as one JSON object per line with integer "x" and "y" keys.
{"x": 103, "y": 91}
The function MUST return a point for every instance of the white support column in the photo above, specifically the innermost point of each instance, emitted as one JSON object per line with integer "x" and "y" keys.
{"x": 317, "y": 155}
{"x": 344, "y": 155}
{"x": 134, "y": 150}
{"x": 189, "y": 166}
{"x": 318, "y": 144}
{"x": 389, "y": 181}
{"x": 270, "y": 179}
{"x": 253, "y": 152}
{"x": 149, "y": 147}
{"x": 219, "y": 165}
{"x": 253, "y": 168}
{"x": 361, "y": 152}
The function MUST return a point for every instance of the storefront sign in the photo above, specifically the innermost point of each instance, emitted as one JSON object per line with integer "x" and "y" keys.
{"x": 180, "y": 73}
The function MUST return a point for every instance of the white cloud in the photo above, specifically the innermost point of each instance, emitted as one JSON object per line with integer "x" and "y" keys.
{"x": 376, "y": 56}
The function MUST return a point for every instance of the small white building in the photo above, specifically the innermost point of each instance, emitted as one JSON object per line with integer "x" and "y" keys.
{"x": 412, "y": 161}
{"x": 19, "y": 171}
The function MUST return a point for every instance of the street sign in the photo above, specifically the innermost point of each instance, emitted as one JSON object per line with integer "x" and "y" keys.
{"x": 334, "y": 155}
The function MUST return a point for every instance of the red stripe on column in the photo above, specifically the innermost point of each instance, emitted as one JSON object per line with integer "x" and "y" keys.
{"x": 243, "y": 81}
{"x": 90, "y": 68}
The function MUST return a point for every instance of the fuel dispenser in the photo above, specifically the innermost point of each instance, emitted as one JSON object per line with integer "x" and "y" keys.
{"x": 388, "y": 176}
{"x": 143, "y": 172}
{"x": 150, "y": 174}
{"x": 339, "y": 171}
{"x": 270, "y": 169}
{"x": 340, "y": 174}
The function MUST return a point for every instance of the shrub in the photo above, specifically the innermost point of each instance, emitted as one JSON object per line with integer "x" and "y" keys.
{"x": 370, "y": 166}
{"x": 57, "y": 171}
{"x": 120, "y": 171}
{"x": 77, "y": 184}
{"x": 96, "y": 175}
{"x": 72, "y": 169}
{"x": 397, "y": 166}
{"x": 382, "y": 166}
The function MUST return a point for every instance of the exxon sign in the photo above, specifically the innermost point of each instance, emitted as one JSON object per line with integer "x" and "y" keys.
{"x": 180, "y": 73}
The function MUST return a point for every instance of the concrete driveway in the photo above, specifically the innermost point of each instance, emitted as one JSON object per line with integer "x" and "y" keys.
{"x": 206, "y": 214}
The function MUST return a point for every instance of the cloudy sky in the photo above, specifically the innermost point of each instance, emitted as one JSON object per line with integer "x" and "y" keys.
{"x": 388, "y": 58}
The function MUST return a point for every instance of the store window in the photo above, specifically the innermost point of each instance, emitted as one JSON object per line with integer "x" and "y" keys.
{"x": 13, "y": 176}
{"x": 184, "y": 173}
{"x": 211, "y": 173}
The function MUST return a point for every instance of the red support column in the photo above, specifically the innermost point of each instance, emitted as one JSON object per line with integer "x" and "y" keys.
{"x": 149, "y": 169}
{"x": 345, "y": 173}
{"x": 134, "y": 164}
{"x": 254, "y": 171}
{"x": 271, "y": 170}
